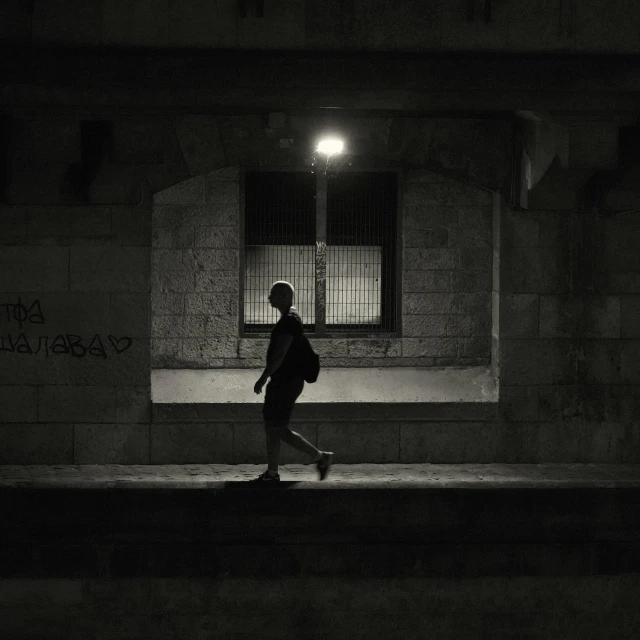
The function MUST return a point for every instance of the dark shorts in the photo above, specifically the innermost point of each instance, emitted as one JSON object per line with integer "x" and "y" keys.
{"x": 279, "y": 398}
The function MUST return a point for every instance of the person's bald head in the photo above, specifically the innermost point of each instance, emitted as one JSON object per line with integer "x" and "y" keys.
{"x": 281, "y": 294}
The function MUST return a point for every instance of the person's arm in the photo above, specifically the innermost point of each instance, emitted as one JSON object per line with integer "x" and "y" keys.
{"x": 283, "y": 342}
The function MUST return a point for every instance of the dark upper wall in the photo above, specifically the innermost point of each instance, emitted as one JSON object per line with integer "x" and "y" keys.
{"x": 413, "y": 25}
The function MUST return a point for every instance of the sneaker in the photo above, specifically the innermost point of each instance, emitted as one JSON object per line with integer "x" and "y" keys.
{"x": 266, "y": 477}
{"x": 324, "y": 464}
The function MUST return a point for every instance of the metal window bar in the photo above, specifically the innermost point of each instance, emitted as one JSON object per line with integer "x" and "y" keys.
{"x": 284, "y": 228}
{"x": 361, "y": 251}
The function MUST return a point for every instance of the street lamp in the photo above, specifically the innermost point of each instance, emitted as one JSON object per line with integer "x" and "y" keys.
{"x": 330, "y": 146}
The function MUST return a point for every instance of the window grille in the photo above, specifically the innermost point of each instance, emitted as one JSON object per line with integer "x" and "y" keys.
{"x": 333, "y": 237}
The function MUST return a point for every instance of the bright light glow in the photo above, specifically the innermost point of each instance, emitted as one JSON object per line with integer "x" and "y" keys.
{"x": 330, "y": 146}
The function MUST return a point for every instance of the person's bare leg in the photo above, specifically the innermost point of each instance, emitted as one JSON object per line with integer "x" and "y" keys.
{"x": 298, "y": 442}
{"x": 273, "y": 446}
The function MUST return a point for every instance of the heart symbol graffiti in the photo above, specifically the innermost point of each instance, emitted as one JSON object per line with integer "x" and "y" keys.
{"x": 116, "y": 342}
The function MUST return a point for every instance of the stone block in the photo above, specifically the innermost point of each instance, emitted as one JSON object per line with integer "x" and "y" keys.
{"x": 374, "y": 348}
{"x": 167, "y": 303}
{"x": 249, "y": 443}
{"x": 434, "y": 237}
{"x": 166, "y": 260}
{"x": 560, "y": 316}
{"x": 178, "y": 281}
{"x": 169, "y": 326}
{"x": 131, "y": 226}
{"x": 587, "y": 317}
{"x": 215, "y": 326}
{"x": 429, "y": 347}
{"x": 477, "y": 258}
{"x": 34, "y": 269}
{"x": 475, "y": 347}
{"x": 426, "y": 281}
{"x": 223, "y": 194}
{"x": 211, "y": 259}
{"x": 428, "y": 303}
{"x": 474, "y": 302}
{"x": 130, "y": 315}
{"x": 13, "y": 225}
{"x": 630, "y": 361}
{"x": 36, "y": 444}
{"x": 217, "y": 281}
{"x": 518, "y": 403}
{"x": 71, "y": 225}
{"x": 246, "y": 363}
{"x": 217, "y": 237}
{"x": 210, "y": 443}
{"x": 553, "y": 228}
{"x": 475, "y": 217}
{"x": 599, "y": 362}
{"x": 600, "y": 317}
{"x": 52, "y": 141}
{"x": 166, "y": 352}
{"x": 630, "y": 316}
{"x": 171, "y": 215}
{"x": 133, "y": 404}
{"x": 18, "y": 403}
{"x": 224, "y": 174}
{"x": 83, "y": 314}
{"x": 133, "y": 366}
{"x": 138, "y": 141}
{"x": 530, "y": 362}
{"x": 117, "y": 184}
{"x": 582, "y": 403}
{"x": 190, "y": 191}
{"x": 471, "y": 281}
{"x": 427, "y": 259}
{"x": 36, "y": 369}
{"x": 77, "y": 403}
{"x": 111, "y": 444}
{"x": 176, "y": 237}
{"x": 521, "y": 229}
{"x": 40, "y": 185}
{"x": 202, "y": 351}
{"x": 594, "y": 146}
{"x": 425, "y": 216}
{"x": 113, "y": 269}
{"x": 361, "y": 441}
{"x": 216, "y": 304}
{"x": 468, "y": 325}
{"x": 252, "y": 348}
{"x": 200, "y": 140}
{"x": 425, "y": 326}
{"x": 534, "y": 270}
{"x": 473, "y": 237}
{"x": 519, "y": 315}
{"x": 448, "y": 442}
{"x": 330, "y": 348}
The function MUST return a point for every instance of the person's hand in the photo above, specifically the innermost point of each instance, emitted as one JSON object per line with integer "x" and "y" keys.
{"x": 257, "y": 387}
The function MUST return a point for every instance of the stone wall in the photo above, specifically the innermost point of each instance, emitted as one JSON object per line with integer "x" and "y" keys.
{"x": 76, "y": 263}
{"x": 446, "y": 279}
{"x": 414, "y": 25}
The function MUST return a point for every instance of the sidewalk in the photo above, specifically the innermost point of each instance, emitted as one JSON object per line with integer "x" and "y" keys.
{"x": 374, "y": 476}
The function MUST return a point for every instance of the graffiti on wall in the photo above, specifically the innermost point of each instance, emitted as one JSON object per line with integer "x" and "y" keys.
{"x": 21, "y": 314}
{"x": 321, "y": 280}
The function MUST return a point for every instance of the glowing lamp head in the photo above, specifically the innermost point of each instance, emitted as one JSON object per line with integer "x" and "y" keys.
{"x": 330, "y": 146}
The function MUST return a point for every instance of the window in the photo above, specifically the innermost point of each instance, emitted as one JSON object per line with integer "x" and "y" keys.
{"x": 333, "y": 237}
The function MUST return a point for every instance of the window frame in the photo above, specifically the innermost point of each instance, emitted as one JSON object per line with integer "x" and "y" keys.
{"x": 398, "y": 257}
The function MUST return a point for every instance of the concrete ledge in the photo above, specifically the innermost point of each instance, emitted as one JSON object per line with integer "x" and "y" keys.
{"x": 390, "y": 385}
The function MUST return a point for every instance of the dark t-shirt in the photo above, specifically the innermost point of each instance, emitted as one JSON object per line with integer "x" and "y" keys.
{"x": 290, "y": 324}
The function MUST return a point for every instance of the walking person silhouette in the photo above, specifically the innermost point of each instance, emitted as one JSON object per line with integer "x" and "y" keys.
{"x": 284, "y": 387}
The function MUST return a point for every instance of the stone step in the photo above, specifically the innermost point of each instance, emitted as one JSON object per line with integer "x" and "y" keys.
{"x": 368, "y": 528}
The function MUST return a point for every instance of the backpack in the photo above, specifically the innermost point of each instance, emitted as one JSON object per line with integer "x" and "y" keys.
{"x": 310, "y": 360}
